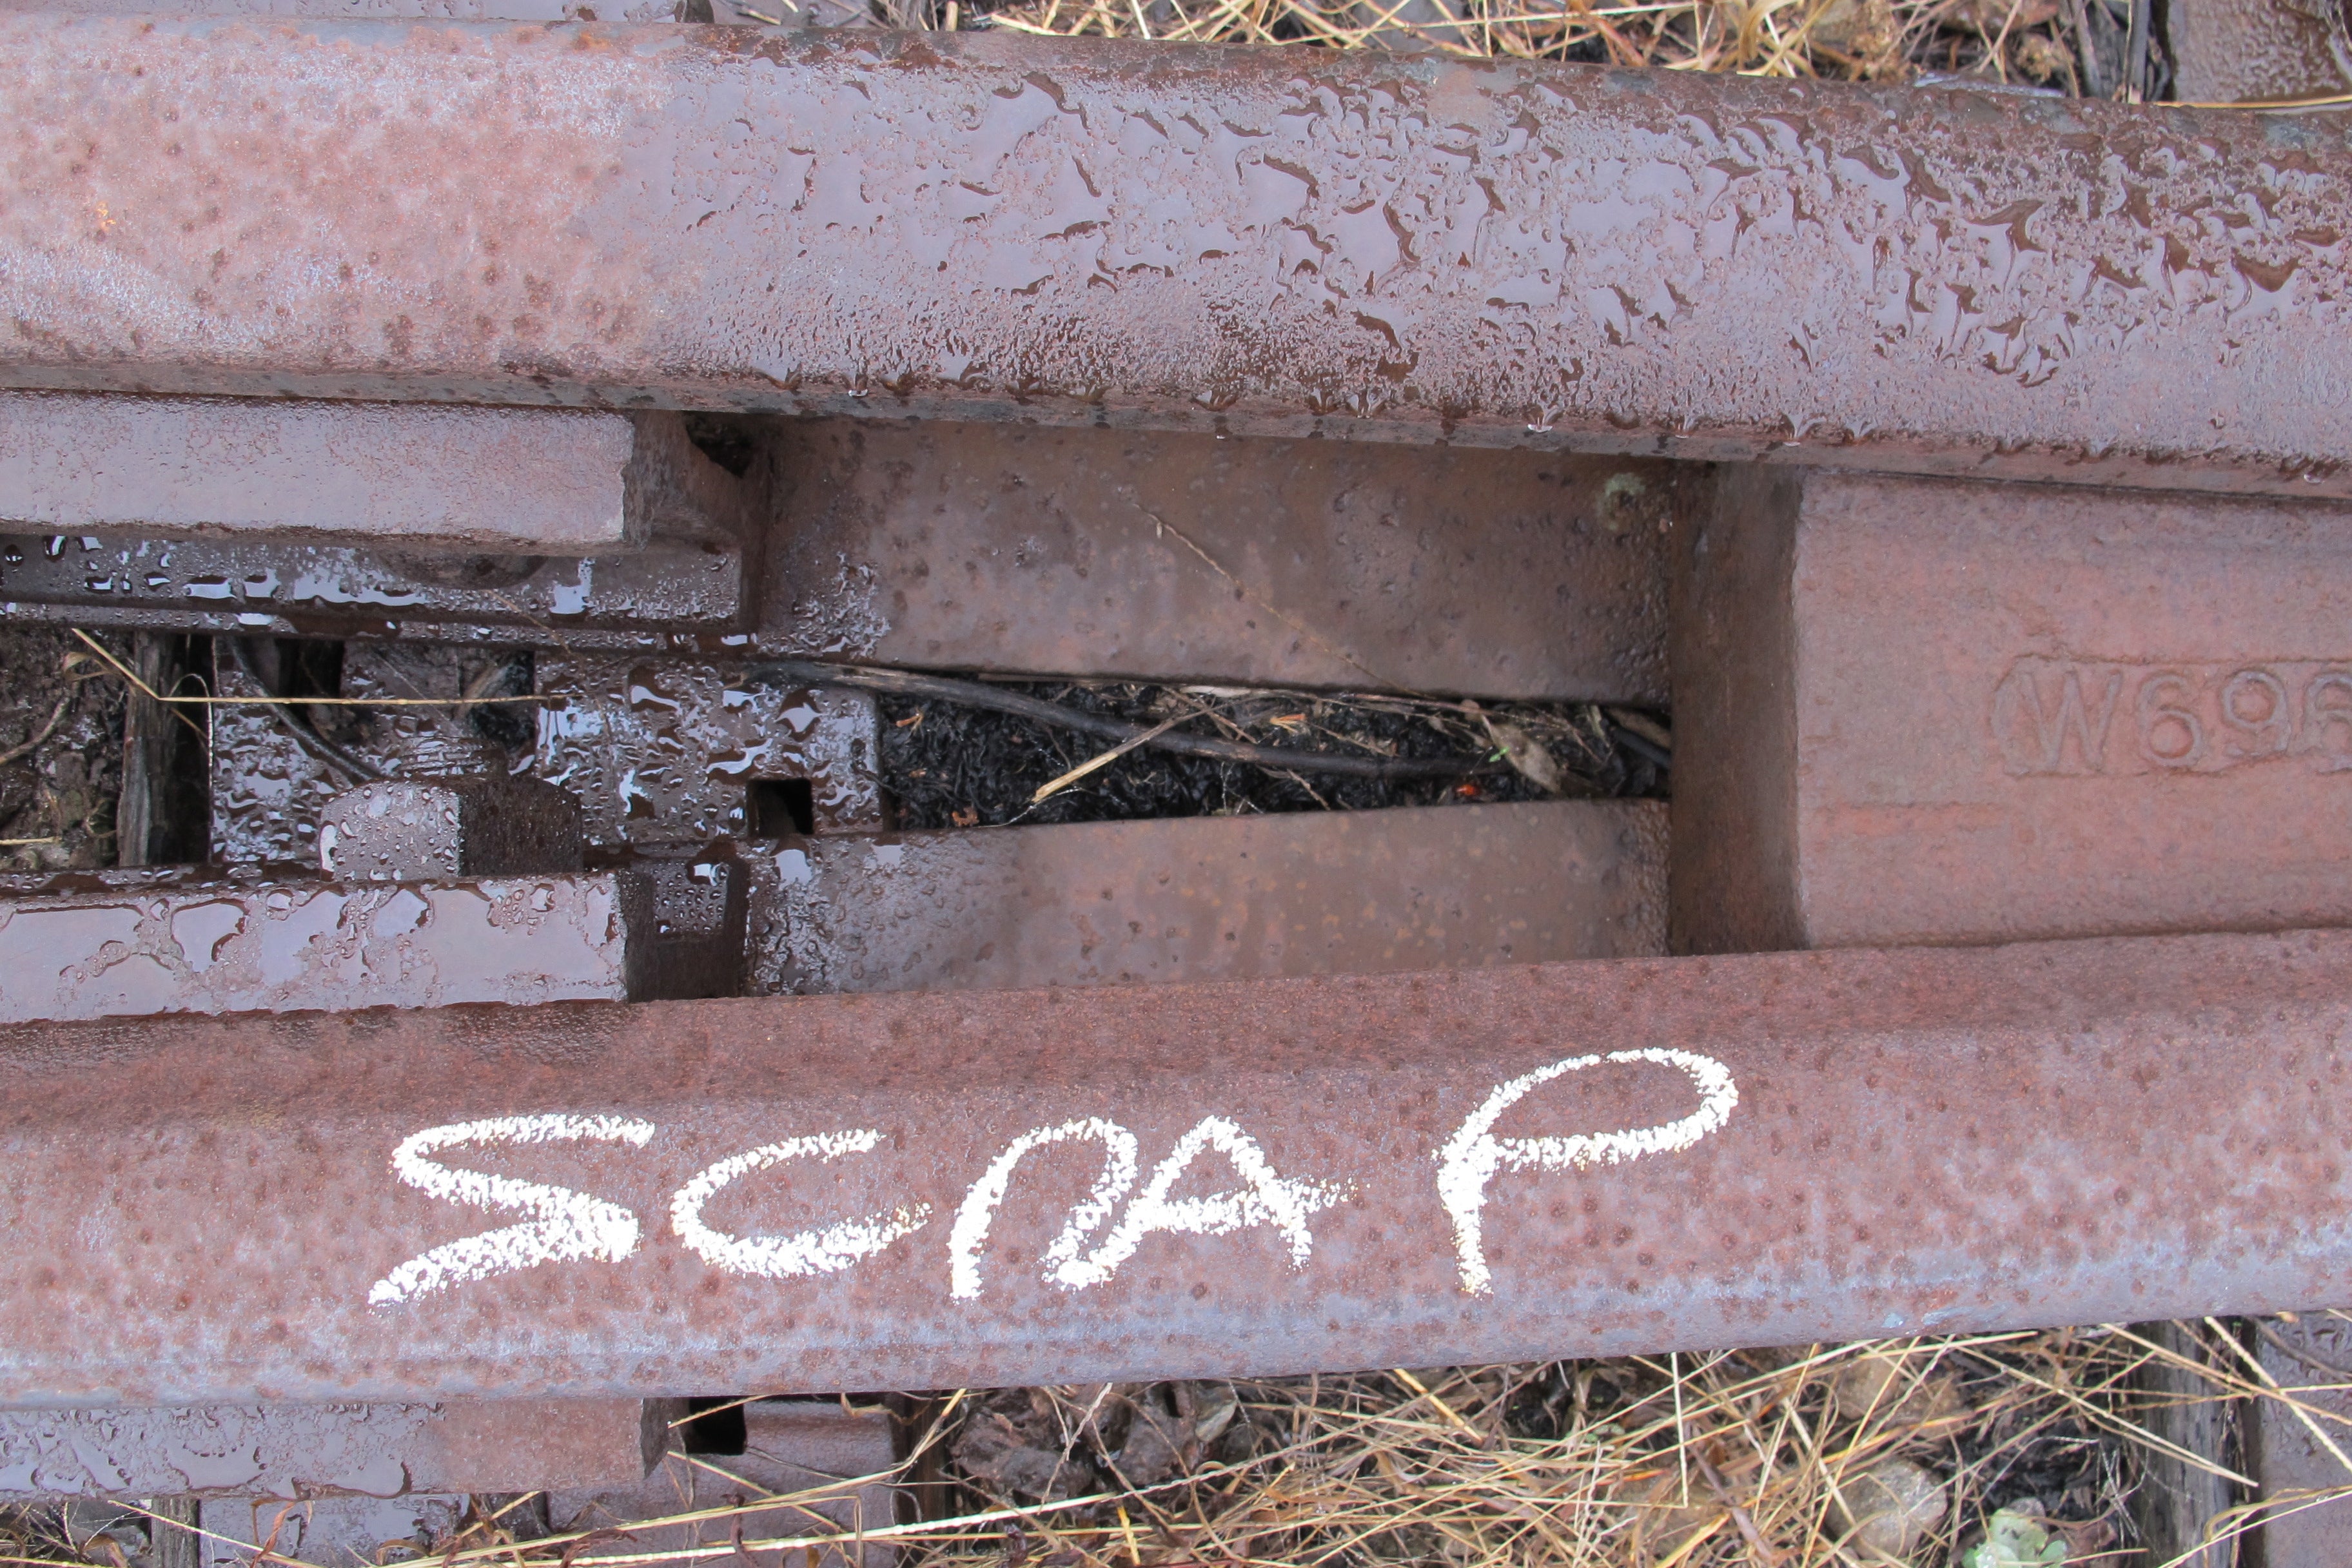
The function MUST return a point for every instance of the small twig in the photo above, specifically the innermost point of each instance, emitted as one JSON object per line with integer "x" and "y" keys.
{"x": 1722, "y": 1490}
{"x": 1420, "y": 1391}
{"x": 297, "y": 726}
{"x": 979, "y": 694}
{"x": 1141, "y": 738}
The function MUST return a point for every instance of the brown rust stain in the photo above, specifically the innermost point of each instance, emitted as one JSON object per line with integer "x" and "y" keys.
{"x": 1916, "y": 1140}
{"x": 1203, "y": 238}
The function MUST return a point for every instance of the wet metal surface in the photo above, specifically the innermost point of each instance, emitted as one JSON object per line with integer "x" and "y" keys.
{"x": 198, "y": 945}
{"x": 655, "y": 751}
{"x": 789, "y": 1445}
{"x": 543, "y": 481}
{"x": 1929, "y": 711}
{"x": 645, "y": 598}
{"x": 1198, "y": 238}
{"x": 668, "y": 750}
{"x": 1271, "y": 563}
{"x": 1046, "y": 1186}
{"x": 1211, "y": 898}
{"x": 267, "y": 790}
{"x": 700, "y": 897}
{"x": 491, "y": 825}
{"x": 286, "y": 1451}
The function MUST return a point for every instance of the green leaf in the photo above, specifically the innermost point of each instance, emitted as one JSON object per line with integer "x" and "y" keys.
{"x": 2014, "y": 1539}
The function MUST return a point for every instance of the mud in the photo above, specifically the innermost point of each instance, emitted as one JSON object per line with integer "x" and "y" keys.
{"x": 60, "y": 750}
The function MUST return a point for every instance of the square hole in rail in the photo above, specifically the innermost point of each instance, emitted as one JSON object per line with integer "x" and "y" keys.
{"x": 780, "y": 808}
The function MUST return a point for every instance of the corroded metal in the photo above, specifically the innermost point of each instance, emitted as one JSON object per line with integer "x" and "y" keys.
{"x": 2234, "y": 51}
{"x": 656, "y": 751}
{"x": 1206, "y": 238}
{"x": 1347, "y": 892}
{"x": 792, "y": 1448}
{"x": 667, "y": 751}
{"x": 2296, "y": 1451}
{"x": 545, "y": 481}
{"x": 1104, "y": 553}
{"x": 1057, "y": 1186}
{"x": 675, "y": 591}
{"x": 286, "y": 1451}
{"x": 150, "y": 943}
{"x": 457, "y": 825}
{"x": 1918, "y": 711}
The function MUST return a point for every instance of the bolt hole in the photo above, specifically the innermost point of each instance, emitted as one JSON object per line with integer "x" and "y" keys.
{"x": 780, "y": 808}
{"x": 713, "y": 1426}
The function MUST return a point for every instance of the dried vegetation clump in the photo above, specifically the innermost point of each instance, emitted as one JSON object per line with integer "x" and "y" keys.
{"x": 2086, "y": 48}
{"x": 948, "y": 765}
{"x": 1869, "y": 1454}
{"x": 60, "y": 753}
{"x": 1980, "y": 1451}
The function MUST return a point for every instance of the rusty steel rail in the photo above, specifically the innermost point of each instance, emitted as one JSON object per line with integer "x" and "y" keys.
{"x": 1051, "y": 1186}
{"x": 1267, "y": 563}
{"x": 545, "y": 481}
{"x": 286, "y": 1451}
{"x": 1179, "y": 237}
{"x": 1241, "y": 898}
{"x": 1928, "y": 711}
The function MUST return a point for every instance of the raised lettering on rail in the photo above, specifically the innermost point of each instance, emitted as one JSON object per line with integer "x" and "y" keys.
{"x": 2087, "y": 718}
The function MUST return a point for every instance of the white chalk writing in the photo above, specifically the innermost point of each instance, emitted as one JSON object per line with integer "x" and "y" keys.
{"x": 1266, "y": 1199}
{"x": 1097, "y": 1236}
{"x": 566, "y": 1225}
{"x": 1474, "y": 1156}
{"x": 978, "y": 1210}
{"x": 827, "y": 1249}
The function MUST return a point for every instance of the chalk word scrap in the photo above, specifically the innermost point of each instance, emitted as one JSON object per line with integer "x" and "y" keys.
{"x": 566, "y": 1225}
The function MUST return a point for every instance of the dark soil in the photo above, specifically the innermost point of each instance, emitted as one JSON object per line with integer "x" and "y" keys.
{"x": 952, "y": 766}
{"x": 61, "y": 749}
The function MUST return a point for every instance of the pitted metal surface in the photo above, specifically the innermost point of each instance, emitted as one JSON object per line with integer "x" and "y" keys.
{"x": 1104, "y": 553}
{"x": 195, "y": 944}
{"x": 545, "y": 481}
{"x": 1460, "y": 887}
{"x": 1205, "y": 238}
{"x": 867, "y": 1192}
{"x": 1918, "y": 711}
{"x": 2233, "y": 51}
{"x": 673, "y": 591}
{"x": 288, "y": 1451}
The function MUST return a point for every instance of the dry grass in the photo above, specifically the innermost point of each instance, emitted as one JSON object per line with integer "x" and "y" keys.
{"x": 1672, "y": 1462}
{"x": 2011, "y": 41}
